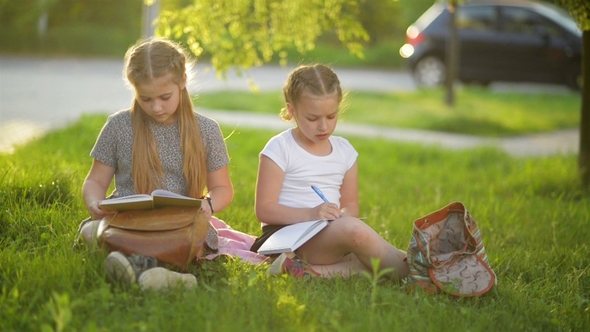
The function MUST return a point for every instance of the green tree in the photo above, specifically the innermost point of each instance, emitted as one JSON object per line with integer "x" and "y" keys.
{"x": 241, "y": 34}
{"x": 580, "y": 10}
{"x": 378, "y": 17}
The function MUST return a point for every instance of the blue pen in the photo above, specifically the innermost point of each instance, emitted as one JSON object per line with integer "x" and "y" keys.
{"x": 320, "y": 193}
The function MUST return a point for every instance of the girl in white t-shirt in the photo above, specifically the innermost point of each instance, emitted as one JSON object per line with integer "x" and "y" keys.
{"x": 308, "y": 155}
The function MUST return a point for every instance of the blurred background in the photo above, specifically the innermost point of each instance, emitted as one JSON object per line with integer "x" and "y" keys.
{"x": 44, "y": 44}
{"x": 105, "y": 28}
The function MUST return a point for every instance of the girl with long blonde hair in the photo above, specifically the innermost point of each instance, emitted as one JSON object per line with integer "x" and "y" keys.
{"x": 161, "y": 143}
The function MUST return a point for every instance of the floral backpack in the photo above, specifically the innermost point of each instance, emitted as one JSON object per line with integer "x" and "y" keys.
{"x": 446, "y": 253}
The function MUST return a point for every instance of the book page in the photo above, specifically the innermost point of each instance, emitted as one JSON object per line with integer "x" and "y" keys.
{"x": 168, "y": 198}
{"x": 309, "y": 233}
{"x": 133, "y": 202}
{"x": 291, "y": 237}
{"x": 158, "y": 198}
{"x": 132, "y": 198}
{"x": 160, "y": 201}
{"x": 166, "y": 193}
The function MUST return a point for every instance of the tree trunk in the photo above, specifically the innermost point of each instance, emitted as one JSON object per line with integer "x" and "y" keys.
{"x": 584, "y": 156}
{"x": 149, "y": 14}
{"x": 452, "y": 54}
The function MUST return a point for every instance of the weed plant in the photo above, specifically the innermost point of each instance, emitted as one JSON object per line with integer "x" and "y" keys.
{"x": 532, "y": 213}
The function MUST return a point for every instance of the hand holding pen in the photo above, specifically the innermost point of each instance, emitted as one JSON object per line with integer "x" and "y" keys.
{"x": 321, "y": 194}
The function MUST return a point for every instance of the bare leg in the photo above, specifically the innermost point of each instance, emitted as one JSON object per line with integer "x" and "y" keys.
{"x": 89, "y": 231}
{"x": 351, "y": 235}
{"x": 347, "y": 266}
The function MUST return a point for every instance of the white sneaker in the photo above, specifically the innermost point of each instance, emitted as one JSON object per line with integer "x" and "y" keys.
{"x": 276, "y": 268}
{"x": 118, "y": 269}
{"x": 123, "y": 270}
{"x": 161, "y": 278}
{"x": 289, "y": 263}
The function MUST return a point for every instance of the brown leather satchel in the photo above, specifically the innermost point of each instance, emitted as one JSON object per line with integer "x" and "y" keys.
{"x": 173, "y": 235}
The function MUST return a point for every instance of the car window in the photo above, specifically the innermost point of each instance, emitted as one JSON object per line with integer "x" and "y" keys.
{"x": 524, "y": 21}
{"x": 477, "y": 18}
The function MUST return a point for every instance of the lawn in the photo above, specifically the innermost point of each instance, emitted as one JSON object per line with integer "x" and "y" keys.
{"x": 532, "y": 213}
{"x": 477, "y": 111}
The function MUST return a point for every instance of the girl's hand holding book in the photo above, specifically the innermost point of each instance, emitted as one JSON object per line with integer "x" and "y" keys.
{"x": 96, "y": 212}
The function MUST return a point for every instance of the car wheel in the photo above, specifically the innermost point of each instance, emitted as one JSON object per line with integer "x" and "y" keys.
{"x": 430, "y": 71}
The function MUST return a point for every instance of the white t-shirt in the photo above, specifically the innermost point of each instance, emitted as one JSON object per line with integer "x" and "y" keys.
{"x": 303, "y": 169}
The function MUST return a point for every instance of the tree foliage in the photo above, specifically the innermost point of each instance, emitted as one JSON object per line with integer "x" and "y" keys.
{"x": 580, "y": 11}
{"x": 381, "y": 18}
{"x": 246, "y": 33}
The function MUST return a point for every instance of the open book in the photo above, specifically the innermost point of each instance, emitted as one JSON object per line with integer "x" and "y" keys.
{"x": 290, "y": 238}
{"x": 158, "y": 198}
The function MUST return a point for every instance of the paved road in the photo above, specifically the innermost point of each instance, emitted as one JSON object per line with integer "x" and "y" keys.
{"x": 39, "y": 94}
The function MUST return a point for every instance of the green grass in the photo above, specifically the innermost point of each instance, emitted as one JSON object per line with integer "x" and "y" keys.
{"x": 78, "y": 40}
{"x": 532, "y": 213}
{"x": 384, "y": 54}
{"x": 477, "y": 111}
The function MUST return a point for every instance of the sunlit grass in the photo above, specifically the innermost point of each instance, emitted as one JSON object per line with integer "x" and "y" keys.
{"x": 384, "y": 54}
{"x": 476, "y": 112}
{"x": 534, "y": 218}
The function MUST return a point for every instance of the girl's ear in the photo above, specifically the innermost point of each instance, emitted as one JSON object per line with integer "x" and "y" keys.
{"x": 291, "y": 110}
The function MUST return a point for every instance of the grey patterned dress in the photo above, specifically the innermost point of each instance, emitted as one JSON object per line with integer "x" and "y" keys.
{"x": 115, "y": 141}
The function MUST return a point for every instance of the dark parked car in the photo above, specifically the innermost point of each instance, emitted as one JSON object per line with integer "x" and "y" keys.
{"x": 511, "y": 41}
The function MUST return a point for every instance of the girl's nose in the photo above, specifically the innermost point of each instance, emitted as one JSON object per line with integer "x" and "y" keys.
{"x": 156, "y": 106}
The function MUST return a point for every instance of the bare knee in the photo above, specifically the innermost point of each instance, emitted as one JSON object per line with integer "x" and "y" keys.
{"x": 356, "y": 233}
{"x": 89, "y": 231}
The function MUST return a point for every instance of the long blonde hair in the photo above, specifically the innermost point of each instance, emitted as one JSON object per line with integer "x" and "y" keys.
{"x": 150, "y": 59}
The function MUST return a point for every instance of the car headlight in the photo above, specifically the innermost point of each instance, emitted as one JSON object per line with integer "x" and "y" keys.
{"x": 406, "y": 51}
